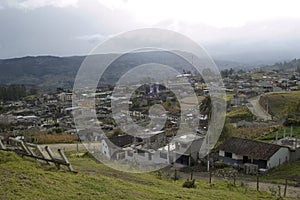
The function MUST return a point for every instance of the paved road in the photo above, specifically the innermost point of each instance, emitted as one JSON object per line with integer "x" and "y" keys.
{"x": 257, "y": 109}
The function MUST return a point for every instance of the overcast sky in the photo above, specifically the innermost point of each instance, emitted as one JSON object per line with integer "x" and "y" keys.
{"x": 249, "y": 30}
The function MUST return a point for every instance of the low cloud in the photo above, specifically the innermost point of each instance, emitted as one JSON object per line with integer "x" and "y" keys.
{"x": 34, "y": 4}
{"x": 92, "y": 38}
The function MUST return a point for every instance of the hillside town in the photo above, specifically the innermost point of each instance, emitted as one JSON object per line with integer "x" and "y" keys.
{"x": 48, "y": 118}
{"x": 157, "y": 100}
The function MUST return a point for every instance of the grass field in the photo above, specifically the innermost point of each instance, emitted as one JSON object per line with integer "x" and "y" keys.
{"x": 24, "y": 178}
{"x": 240, "y": 113}
{"x": 279, "y": 101}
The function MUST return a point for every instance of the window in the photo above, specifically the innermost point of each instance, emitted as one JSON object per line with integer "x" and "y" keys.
{"x": 141, "y": 152}
{"x": 129, "y": 153}
{"x": 245, "y": 159}
{"x": 228, "y": 154}
{"x": 121, "y": 155}
{"x": 184, "y": 146}
{"x": 150, "y": 156}
{"x": 163, "y": 155}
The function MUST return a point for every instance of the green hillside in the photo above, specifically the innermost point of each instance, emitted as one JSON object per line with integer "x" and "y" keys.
{"x": 279, "y": 102}
{"x": 240, "y": 113}
{"x": 283, "y": 105}
{"x": 24, "y": 178}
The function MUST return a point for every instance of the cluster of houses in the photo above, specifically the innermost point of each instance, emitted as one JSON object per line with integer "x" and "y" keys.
{"x": 43, "y": 112}
{"x": 247, "y": 85}
{"x": 182, "y": 150}
{"x": 155, "y": 146}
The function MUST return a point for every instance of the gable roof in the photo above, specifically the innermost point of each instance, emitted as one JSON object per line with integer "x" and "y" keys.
{"x": 122, "y": 140}
{"x": 252, "y": 149}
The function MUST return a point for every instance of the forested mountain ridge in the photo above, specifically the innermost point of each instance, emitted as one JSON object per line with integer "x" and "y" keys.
{"x": 291, "y": 66}
{"x": 50, "y": 72}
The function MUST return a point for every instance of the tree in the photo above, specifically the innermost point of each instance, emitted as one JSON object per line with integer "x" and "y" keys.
{"x": 33, "y": 90}
{"x": 231, "y": 71}
{"x": 206, "y": 106}
{"x": 12, "y": 92}
{"x": 228, "y": 131}
{"x": 224, "y": 73}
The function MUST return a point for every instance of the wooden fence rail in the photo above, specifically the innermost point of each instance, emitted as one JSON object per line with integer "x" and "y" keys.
{"x": 35, "y": 151}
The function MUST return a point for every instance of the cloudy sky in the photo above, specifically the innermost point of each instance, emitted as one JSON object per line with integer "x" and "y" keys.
{"x": 243, "y": 31}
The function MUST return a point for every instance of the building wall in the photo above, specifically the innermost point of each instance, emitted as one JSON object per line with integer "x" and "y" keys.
{"x": 281, "y": 156}
{"x": 222, "y": 153}
{"x": 233, "y": 157}
{"x": 105, "y": 150}
{"x": 195, "y": 147}
{"x": 294, "y": 155}
{"x": 260, "y": 163}
{"x": 230, "y": 161}
{"x": 147, "y": 157}
{"x": 237, "y": 157}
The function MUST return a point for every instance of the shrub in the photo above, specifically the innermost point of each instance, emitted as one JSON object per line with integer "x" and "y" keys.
{"x": 220, "y": 165}
{"x": 189, "y": 184}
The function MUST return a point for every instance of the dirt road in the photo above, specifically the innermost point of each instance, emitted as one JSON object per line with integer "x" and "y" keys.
{"x": 263, "y": 186}
{"x": 257, "y": 110}
{"x": 65, "y": 147}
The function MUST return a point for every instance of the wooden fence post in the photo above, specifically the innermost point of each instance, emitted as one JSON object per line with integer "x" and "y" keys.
{"x": 285, "y": 187}
{"x": 61, "y": 152}
{"x": 38, "y": 151}
{"x": 234, "y": 179}
{"x": 2, "y": 147}
{"x": 19, "y": 143}
{"x": 51, "y": 155}
{"x": 257, "y": 182}
{"x": 29, "y": 149}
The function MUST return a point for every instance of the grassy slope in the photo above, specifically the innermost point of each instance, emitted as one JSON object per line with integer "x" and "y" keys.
{"x": 23, "y": 178}
{"x": 278, "y": 104}
{"x": 278, "y": 101}
{"x": 271, "y": 136}
{"x": 240, "y": 113}
{"x": 290, "y": 171}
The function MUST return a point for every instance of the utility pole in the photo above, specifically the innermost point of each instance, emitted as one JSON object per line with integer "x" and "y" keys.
{"x": 208, "y": 146}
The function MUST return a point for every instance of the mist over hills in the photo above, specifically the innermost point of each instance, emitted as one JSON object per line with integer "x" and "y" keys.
{"x": 50, "y": 72}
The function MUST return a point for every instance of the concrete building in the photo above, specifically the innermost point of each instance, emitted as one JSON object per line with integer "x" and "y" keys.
{"x": 237, "y": 151}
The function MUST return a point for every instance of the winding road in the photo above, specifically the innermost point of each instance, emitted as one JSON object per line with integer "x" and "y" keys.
{"x": 257, "y": 109}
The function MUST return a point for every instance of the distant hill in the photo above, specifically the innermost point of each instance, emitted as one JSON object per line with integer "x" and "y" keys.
{"x": 291, "y": 66}
{"x": 49, "y": 72}
{"x": 44, "y": 71}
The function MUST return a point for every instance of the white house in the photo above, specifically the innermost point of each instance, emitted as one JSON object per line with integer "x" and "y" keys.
{"x": 238, "y": 151}
{"x": 187, "y": 148}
